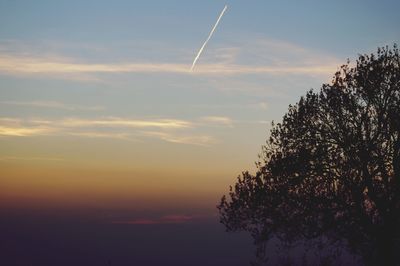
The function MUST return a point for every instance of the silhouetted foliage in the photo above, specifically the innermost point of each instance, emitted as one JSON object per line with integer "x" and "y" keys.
{"x": 332, "y": 167}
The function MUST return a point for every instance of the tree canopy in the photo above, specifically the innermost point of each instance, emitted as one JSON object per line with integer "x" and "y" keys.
{"x": 331, "y": 168}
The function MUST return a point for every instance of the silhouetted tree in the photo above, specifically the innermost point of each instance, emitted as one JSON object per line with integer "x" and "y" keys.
{"x": 332, "y": 167}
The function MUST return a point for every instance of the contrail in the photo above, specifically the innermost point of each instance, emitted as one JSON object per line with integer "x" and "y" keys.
{"x": 208, "y": 38}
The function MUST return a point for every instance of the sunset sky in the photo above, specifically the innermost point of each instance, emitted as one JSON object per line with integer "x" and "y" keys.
{"x": 98, "y": 108}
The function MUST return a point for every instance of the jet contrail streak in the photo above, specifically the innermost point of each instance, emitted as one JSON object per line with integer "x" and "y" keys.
{"x": 208, "y": 38}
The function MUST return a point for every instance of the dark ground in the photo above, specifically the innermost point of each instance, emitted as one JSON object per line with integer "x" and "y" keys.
{"x": 89, "y": 238}
{"x": 34, "y": 239}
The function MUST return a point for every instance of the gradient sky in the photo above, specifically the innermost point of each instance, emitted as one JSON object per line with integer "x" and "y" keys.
{"x": 98, "y": 108}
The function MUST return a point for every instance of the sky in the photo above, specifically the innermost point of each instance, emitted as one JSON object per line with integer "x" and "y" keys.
{"x": 99, "y": 108}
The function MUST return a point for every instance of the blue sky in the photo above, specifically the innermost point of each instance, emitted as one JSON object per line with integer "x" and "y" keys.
{"x": 340, "y": 24}
{"x": 105, "y": 86}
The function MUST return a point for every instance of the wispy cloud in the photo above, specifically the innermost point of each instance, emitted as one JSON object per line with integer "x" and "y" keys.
{"x": 259, "y": 105}
{"x": 261, "y": 56}
{"x": 251, "y": 105}
{"x": 202, "y": 140}
{"x": 229, "y": 122}
{"x": 170, "y": 130}
{"x": 280, "y": 54}
{"x": 167, "y": 219}
{"x": 110, "y": 135}
{"x": 37, "y": 126}
{"x": 22, "y": 65}
{"x": 217, "y": 120}
{"x": 121, "y": 122}
{"x": 23, "y": 131}
{"x": 53, "y": 105}
{"x": 16, "y": 127}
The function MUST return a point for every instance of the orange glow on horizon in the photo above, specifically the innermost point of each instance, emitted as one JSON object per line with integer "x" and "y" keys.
{"x": 30, "y": 185}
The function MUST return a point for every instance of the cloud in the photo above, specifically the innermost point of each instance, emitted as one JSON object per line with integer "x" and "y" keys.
{"x": 21, "y": 65}
{"x": 168, "y": 219}
{"x": 170, "y": 130}
{"x": 20, "y": 127}
{"x": 111, "y": 135}
{"x": 260, "y": 56}
{"x": 54, "y": 65}
{"x": 251, "y": 105}
{"x": 182, "y": 139}
{"x": 260, "y": 105}
{"x": 228, "y": 122}
{"x": 219, "y": 69}
{"x": 226, "y": 55}
{"x": 16, "y": 127}
{"x": 137, "y": 221}
{"x": 260, "y": 122}
{"x": 25, "y": 131}
{"x": 42, "y": 125}
{"x": 121, "y": 122}
{"x": 280, "y": 54}
{"x": 217, "y": 120}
